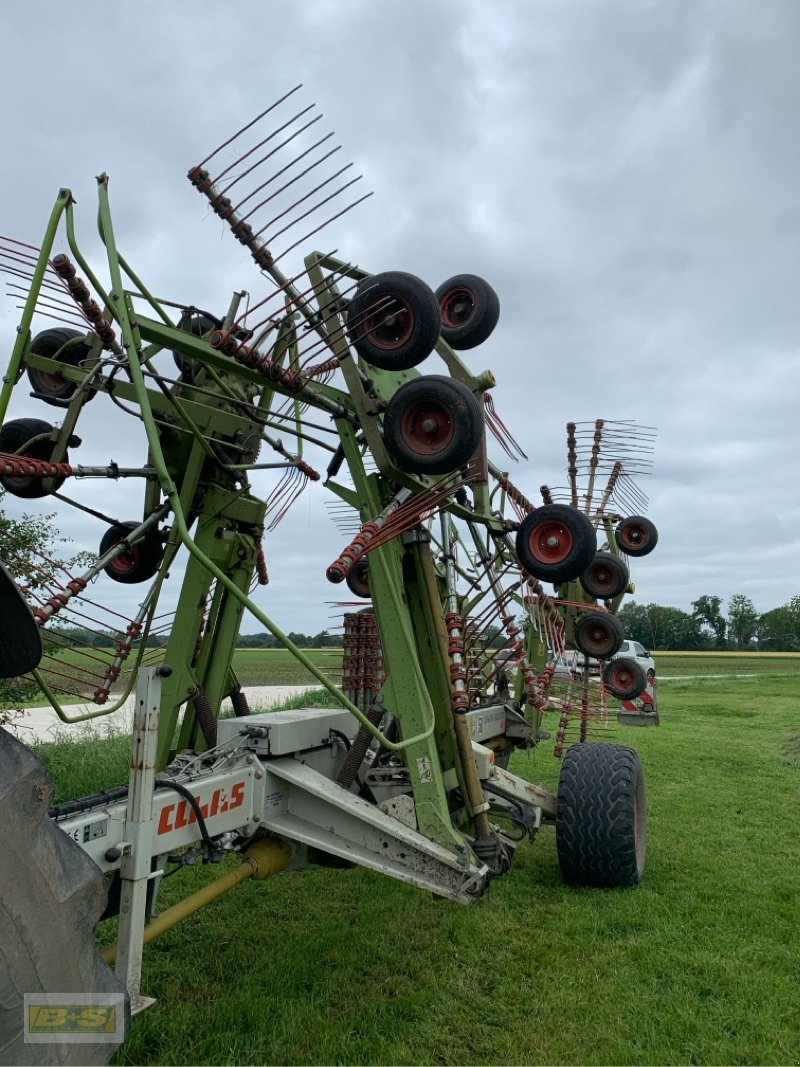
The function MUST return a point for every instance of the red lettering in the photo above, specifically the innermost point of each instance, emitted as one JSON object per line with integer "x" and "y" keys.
{"x": 237, "y": 795}
{"x": 164, "y": 825}
{"x": 181, "y": 818}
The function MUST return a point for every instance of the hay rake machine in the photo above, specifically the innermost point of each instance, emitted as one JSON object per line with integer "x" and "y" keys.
{"x": 452, "y": 645}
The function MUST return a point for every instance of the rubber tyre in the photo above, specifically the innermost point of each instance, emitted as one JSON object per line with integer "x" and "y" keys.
{"x": 138, "y": 565}
{"x": 20, "y": 636}
{"x": 69, "y": 347}
{"x": 636, "y": 536}
{"x": 601, "y": 820}
{"x": 562, "y": 562}
{"x": 197, "y": 324}
{"x": 605, "y": 577}
{"x": 433, "y": 425}
{"x": 51, "y": 898}
{"x": 599, "y": 634}
{"x": 624, "y": 678}
{"x": 470, "y": 310}
{"x": 14, "y": 436}
{"x": 393, "y": 321}
{"x": 357, "y": 579}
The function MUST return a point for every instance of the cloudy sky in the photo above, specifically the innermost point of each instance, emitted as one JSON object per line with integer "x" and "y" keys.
{"x": 624, "y": 174}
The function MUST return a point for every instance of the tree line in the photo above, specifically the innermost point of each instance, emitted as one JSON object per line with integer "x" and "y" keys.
{"x": 740, "y": 627}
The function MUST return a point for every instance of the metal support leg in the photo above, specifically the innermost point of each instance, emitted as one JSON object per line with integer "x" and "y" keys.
{"x": 139, "y": 830}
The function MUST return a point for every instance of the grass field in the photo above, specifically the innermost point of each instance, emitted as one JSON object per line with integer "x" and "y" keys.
{"x": 698, "y": 965}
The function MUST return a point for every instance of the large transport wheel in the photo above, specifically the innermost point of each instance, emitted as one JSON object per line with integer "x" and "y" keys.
{"x": 636, "y": 536}
{"x": 51, "y": 897}
{"x": 470, "y": 310}
{"x": 66, "y": 346}
{"x": 624, "y": 678}
{"x": 601, "y": 819}
{"x": 433, "y": 425}
{"x": 393, "y": 320}
{"x": 605, "y": 577}
{"x": 556, "y": 543}
{"x": 137, "y": 565}
{"x": 14, "y": 438}
{"x": 599, "y": 634}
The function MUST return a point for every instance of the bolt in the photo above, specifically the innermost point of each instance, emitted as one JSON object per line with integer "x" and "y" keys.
{"x": 259, "y": 775}
{"x": 256, "y": 818}
{"x": 250, "y": 759}
{"x": 429, "y": 425}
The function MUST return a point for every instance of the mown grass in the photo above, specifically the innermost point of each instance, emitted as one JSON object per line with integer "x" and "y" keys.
{"x": 699, "y": 964}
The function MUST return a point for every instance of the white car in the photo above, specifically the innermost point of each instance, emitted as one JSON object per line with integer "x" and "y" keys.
{"x": 627, "y": 650}
{"x": 633, "y": 650}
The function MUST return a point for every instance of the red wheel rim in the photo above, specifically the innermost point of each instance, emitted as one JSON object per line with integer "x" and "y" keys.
{"x": 428, "y": 427}
{"x": 125, "y": 561}
{"x": 597, "y": 637}
{"x": 620, "y": 677}
{"x": 601, "y": 576}
{"x": 389, "y": 322}
{"x": 457, "y": 307}
{"x": 551, "y": 541}
{"x": 50, "y": 383}
{"x": 635, "y": 535}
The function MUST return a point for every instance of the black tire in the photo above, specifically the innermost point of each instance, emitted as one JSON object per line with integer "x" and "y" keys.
{"x": 51, "y": 898}
{"x": 14, "y": 436}
{"x": 20, "y": 636}
{"x": 470, "y": 310}
{"x": 357, "y": 578}
{"x": 599, "y": 634}
{"x": 636, "y": 536}
{"x": 433, "y": 425}
{"x": 138, "y": 565}
{"x": 393, "y": 321}
{"x": 624, "y": 678}
{"x": 606, "y": 576}
{"x": 198, "y": 324}
{"x": 68, "y": 347}
{"x": 601, "y": 820}
{"x": 556, "y": 543}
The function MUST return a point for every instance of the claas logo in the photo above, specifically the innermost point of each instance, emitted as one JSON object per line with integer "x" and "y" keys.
{"x": 72, "y": 1019}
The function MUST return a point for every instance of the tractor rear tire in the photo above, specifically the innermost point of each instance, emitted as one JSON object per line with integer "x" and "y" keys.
{"x": 51, "y": 898}
{"x": 601, "y": 820}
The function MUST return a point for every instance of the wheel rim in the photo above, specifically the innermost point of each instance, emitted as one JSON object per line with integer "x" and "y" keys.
{"x": 597, "y": 638}
{"x": 635, "y": 535}
{"x": 602, "y": 577}
{"x": 428, "y": 427}
{"x": 49, "y": 382}
{"x": 125, "y": 562}
{"x": 551, "y": 541}
{"x": 389, "y": 323}
{"x": 620, "y": 677}
{"x": 457, "y": 307}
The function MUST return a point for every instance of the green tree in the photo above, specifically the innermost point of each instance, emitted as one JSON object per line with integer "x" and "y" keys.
{"x": 742, "y": 620}
{"x": 658, "y": 626}
{"x": 708, "y": 609}
{"x": 778, "y": 630}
